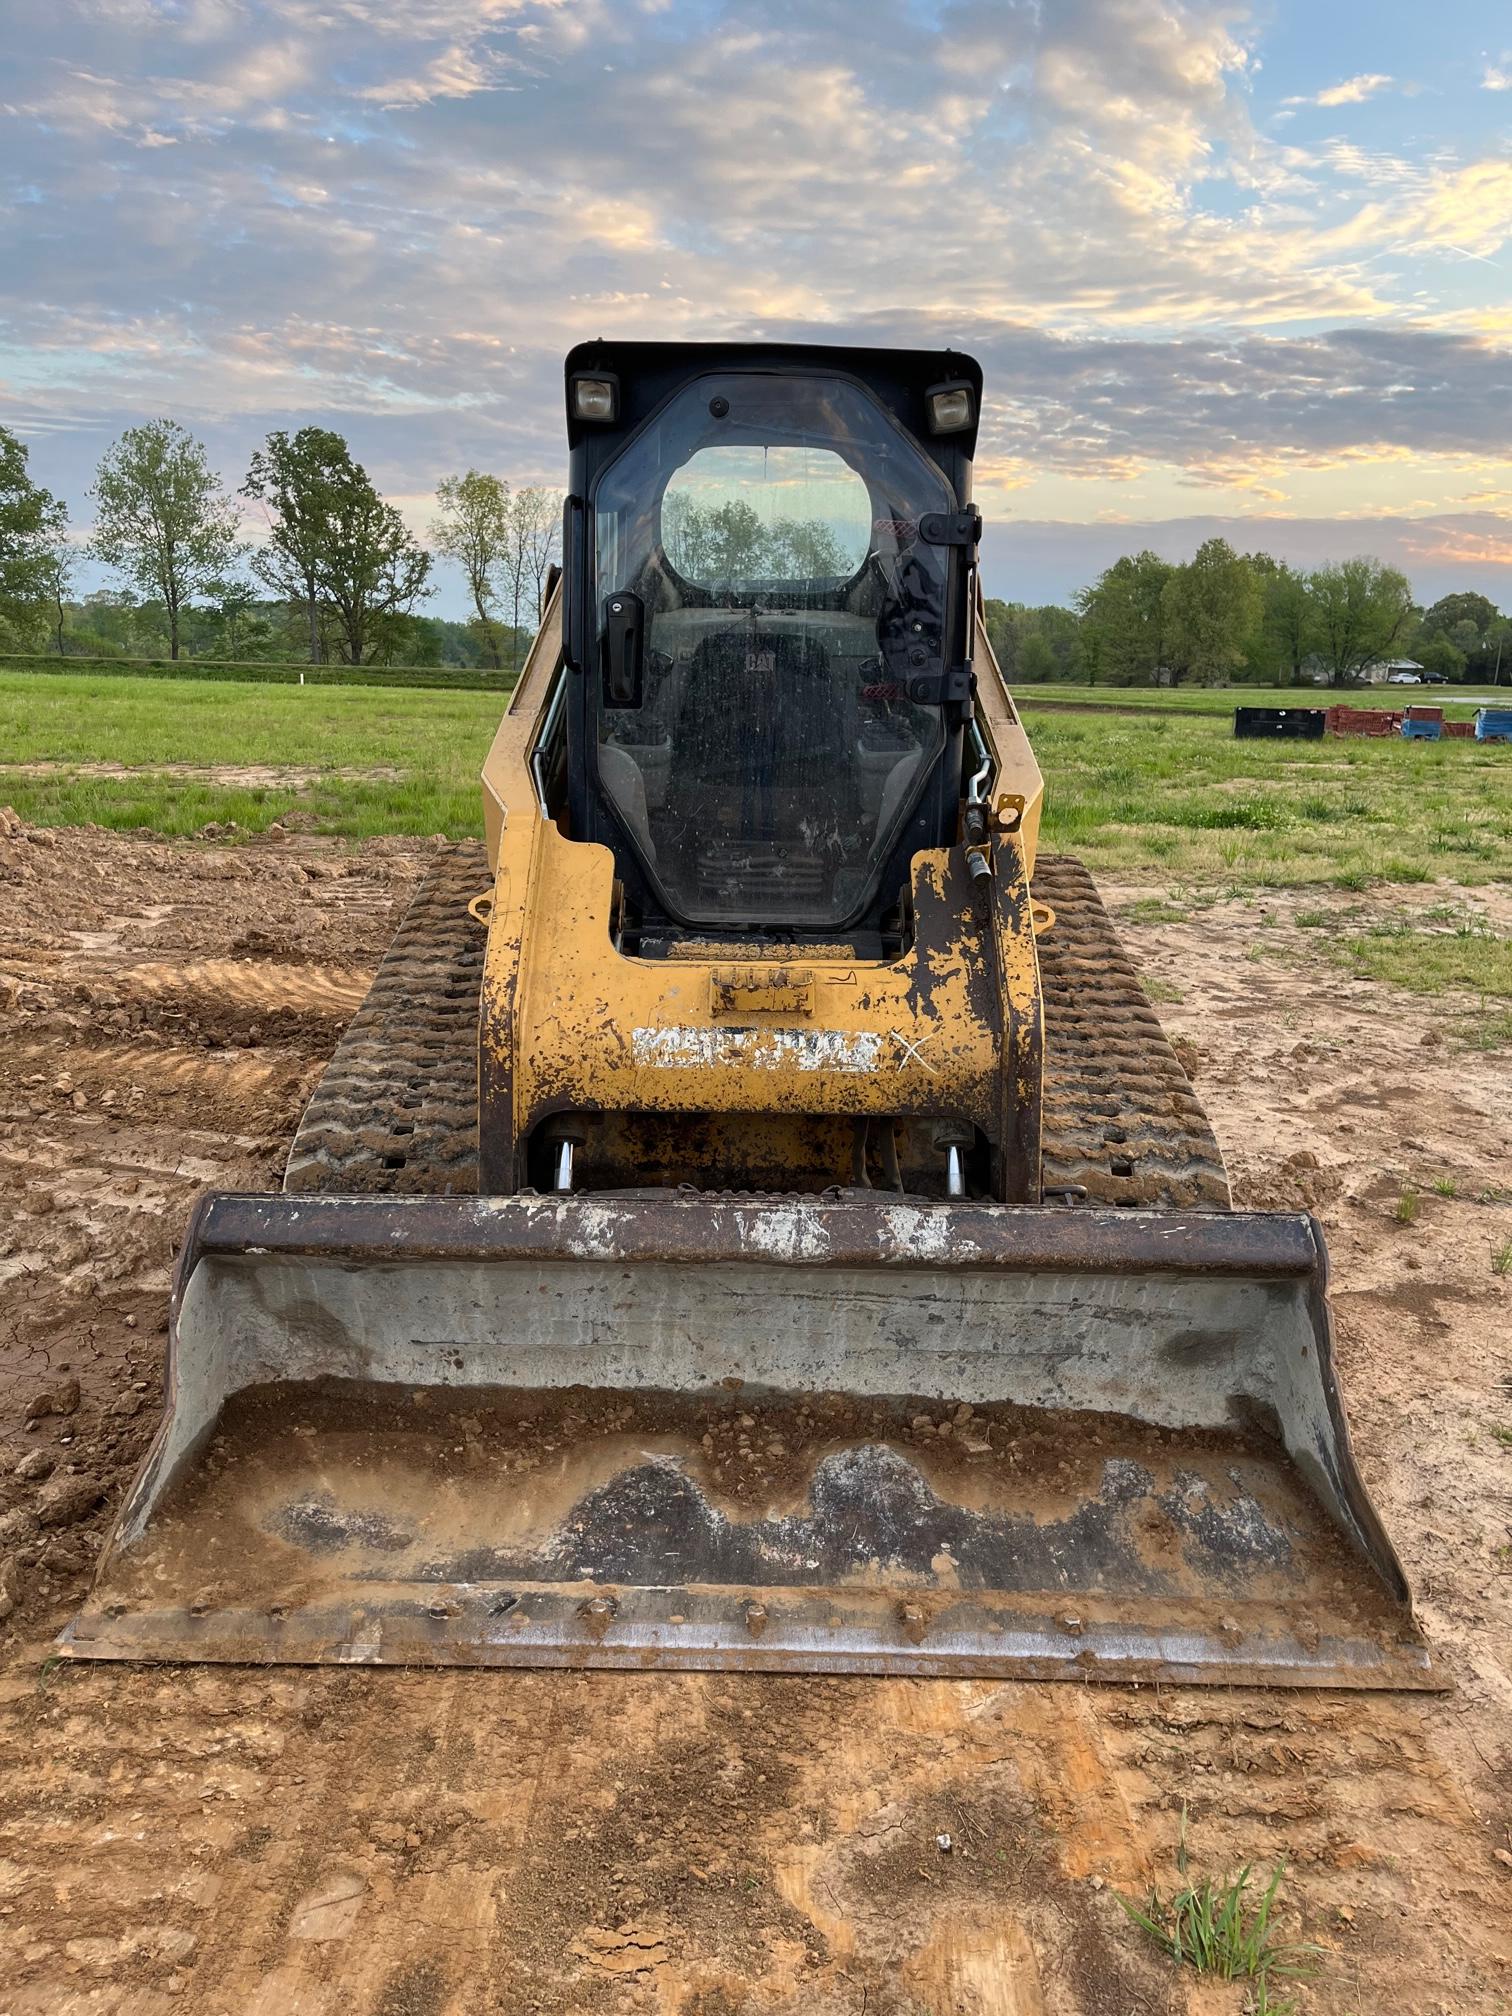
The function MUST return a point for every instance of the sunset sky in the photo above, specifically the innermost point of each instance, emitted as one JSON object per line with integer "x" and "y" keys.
{"x": 1244, "y": 268}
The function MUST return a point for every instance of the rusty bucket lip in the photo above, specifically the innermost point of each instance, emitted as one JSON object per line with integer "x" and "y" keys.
{"x": 856, "y": 1229}
{"x": 799, "y": 1632}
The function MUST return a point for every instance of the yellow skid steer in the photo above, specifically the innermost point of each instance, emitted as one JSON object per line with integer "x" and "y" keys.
{"x": 756, "y": 1219}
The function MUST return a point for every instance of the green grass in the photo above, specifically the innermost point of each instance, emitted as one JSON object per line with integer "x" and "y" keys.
{"x": 1219, "y": 1929}
{"x": 464, "y": 677}
{"x": 1446, "y": 1186}
{"x": 435, "y": 741}
{"x": 1181, "y": 797}
{"x": 1468, "y": 958}
{"x": 1170, "y": 795}
{"x": 1486, "y": 1031}
{"x": 1157, "y": 989}
{"x": 1407, "y": 1207}
{"x": 1224, "y": 699}
{"x": 1501, "y": 1259}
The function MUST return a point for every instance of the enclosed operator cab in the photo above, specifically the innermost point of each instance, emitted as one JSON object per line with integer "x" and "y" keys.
{"x": 780, "y": 920}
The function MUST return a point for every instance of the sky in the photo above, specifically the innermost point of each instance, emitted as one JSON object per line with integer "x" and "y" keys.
{"x": 1238, "y": 269}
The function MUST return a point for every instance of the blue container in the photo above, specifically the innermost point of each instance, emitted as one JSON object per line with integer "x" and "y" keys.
{"x": 1422, "y": 731}
{"x": 1493, "y": 724}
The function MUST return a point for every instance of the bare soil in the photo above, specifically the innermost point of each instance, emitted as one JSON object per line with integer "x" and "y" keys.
{"x": 291, "y": 1843}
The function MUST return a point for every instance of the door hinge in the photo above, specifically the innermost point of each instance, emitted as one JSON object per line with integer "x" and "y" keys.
{"x": 951, "y": 528}
{"x": 941, "y": 686}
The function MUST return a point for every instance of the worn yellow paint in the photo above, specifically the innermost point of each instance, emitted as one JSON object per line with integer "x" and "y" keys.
{"x": 951, "y": 1030}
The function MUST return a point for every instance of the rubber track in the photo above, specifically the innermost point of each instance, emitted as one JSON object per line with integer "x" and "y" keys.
{"x": 396, "y": 1109}
{"x": 1121, "y": 1120}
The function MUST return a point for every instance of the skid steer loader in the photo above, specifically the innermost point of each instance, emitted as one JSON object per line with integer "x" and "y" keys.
{"x": 756, "y": 1219}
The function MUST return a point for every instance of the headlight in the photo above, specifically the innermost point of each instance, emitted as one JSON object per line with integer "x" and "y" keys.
{"x": 595, "y": 397}
{"x": 951, "y": 408}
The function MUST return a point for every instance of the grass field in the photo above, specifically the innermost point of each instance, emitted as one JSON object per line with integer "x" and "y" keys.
{"x": 435, "y": 741}
{"x": 1460, "y": 703}
{"x": 1173, "y": 796}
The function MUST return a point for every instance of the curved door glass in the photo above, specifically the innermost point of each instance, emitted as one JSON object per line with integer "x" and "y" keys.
{"x": 764, "y": 597}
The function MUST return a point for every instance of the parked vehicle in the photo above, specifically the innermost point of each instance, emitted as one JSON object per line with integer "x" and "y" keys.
{"x": 1404, "y": 679}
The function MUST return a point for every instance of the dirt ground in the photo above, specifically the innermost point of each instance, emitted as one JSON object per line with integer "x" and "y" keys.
{"x": 292, "y": 1843}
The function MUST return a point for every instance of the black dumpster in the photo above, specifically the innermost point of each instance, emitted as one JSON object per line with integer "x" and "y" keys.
{"x": 1284, "y": 722}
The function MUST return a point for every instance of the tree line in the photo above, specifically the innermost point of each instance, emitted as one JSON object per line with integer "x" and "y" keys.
{"x": 1225, "y": 617}
{"x": 337, "y": 577}
{"x": 731, "y": 542}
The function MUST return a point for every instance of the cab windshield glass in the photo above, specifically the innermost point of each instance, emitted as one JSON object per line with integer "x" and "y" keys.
{"x": 767, "y": 527}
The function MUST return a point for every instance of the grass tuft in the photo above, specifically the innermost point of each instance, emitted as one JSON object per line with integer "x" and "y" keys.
{"x": 1219, "y": 1928}
{"x": 1501, "y": 1259}
{"x": 1157, "y": 989}
{"x": 1407, "y": 1207}
{"x": 1446, "y": 1186}
{"x": 1489, "y": 1032}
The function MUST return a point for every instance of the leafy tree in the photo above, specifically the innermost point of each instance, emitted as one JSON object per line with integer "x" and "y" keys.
{"x": 372, "y": 571}
{"x": 1037, "y": 660}
{"x": 1287, "y": 617}
{"x": 162, "y": 517}
{"x": 236, "y": 626}
{"x": 1124, "y": 613}
{"x": 1360, "y": 612}
{"x": 473, "y": 526}
{"x": 297, "y": 478}
{"x": 686, "y": 535}
{"x": 1034, "y": 645}
{"x": 1210, "y": 606}
{"x": 1439, "y": 655}
{"x": 804, "y": 549}
{"x": 334, "y": 547}
{"x": 414, "y": 640}
{"x": 1479, "y": 611}
{"x": 729, "y": 542}
{"x": 1472, "y": 625}
{"x": 33, "y": 556}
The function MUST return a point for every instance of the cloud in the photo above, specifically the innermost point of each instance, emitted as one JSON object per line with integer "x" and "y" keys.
{"x": 1496, "y": 77}
{"x": 395, "y": 215}
{"x": 1354, "y": 90}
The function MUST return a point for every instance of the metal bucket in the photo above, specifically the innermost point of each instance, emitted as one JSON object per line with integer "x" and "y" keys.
{"x": 795, "y": 1434}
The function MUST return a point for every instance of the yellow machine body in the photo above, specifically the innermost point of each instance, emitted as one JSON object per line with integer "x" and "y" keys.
{"x": 766, "y": 1067}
